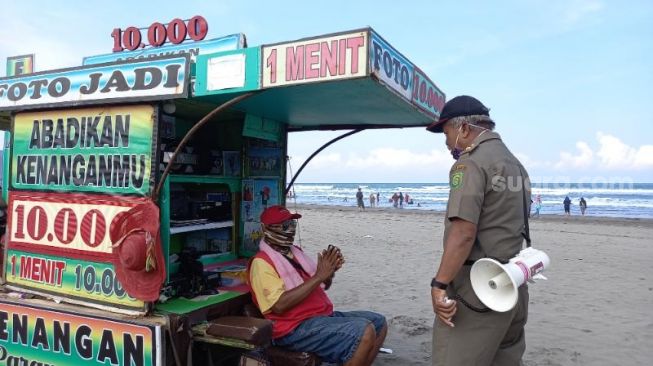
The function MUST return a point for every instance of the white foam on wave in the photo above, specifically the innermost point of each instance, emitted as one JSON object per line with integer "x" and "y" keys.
{"x": 588, "y": 190}
{"x": 309, "y": 188}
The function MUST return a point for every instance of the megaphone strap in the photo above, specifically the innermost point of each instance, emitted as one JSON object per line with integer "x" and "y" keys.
{"x": 470, "y": 262}
{"x": 471, "y": 307}
{"x": 526, "y": 233}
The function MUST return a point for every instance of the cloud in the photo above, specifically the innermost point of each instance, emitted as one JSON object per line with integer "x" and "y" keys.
{"x": 320, "y": 161}
{"x": 579, "y": 10}
{"x": 398, "y": 159}
{"x": 582, "y": 159}
{"x": 612, "y": 154}
{"x": 528, "y": 162}
{"x": 382, "y": 164}
{"x": 380, "y": 158}
{"x": 606, "y": 154}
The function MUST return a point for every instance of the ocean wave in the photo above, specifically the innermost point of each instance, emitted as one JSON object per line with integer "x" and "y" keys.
{"x": 308, "y": 188}
{"x": 580, "y": 191}
{"x": 616, "y": 201}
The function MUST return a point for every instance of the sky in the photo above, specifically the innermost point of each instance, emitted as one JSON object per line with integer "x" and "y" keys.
{"x": 568, "y": 82}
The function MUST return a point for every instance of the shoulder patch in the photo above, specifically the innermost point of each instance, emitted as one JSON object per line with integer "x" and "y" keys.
{"x": 459, "y": 167}
{"x": 457, "y": 179}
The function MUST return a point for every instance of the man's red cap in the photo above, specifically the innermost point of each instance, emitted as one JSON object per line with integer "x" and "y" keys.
{"x": 277, "y": 214}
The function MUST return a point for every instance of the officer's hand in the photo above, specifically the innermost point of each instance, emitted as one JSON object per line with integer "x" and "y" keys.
{"x": 443, "y": 309}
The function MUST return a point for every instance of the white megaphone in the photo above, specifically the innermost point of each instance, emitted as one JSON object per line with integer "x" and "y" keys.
{"x": 496, "y": 284}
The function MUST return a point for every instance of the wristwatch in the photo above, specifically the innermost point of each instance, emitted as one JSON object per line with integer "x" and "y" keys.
{"x": 440, "y": 285}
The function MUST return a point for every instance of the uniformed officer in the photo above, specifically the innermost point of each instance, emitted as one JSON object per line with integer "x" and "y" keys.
{"x": 484, "y": 218}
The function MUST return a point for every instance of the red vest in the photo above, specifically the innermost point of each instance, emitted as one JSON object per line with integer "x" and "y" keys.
{"x": 316, "y": 304}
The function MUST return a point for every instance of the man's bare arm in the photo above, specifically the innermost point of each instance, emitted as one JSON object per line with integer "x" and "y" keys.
{"x": 456, "y": 249}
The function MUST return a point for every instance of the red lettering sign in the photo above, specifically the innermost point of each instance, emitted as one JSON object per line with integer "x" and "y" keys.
{"x": 158, "y": 34}
{"x": 326, "y": 58}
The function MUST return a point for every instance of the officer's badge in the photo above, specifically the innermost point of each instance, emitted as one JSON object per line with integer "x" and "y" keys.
{"x": 457, "y": 179}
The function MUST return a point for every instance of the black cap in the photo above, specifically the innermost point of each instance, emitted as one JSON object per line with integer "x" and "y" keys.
{"x": 462, "y": 105}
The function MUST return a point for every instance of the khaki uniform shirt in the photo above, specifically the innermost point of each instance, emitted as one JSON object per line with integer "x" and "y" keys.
{"x": 486, "y": 188}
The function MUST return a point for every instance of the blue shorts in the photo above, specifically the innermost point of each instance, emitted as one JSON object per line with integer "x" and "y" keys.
{"x": 333, "y": 338}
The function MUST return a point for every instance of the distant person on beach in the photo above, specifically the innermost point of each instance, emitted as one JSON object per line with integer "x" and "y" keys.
{"x": 372, "y": 199}
{"x": 583, "y": 206}
{"x": 567, "y": 204}
{"x": 395, "y": 200}
{"x": 401, "y": 199}
{"x": 359, "y": 200}
{"x": 289, "y": 289}
{"x": 378, "y": 199}
{"x": 482, "y": 220}
{"x": 538, "y": 206}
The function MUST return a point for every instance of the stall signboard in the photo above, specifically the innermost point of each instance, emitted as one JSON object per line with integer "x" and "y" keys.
{"x": 76, "y": 281}
{"x": 20, "y": 65}
{"x": 156, "y": 78}
{"x": 331, "y": 57}
{"x": 426, "y": 95}
{"x": 97, "y": 149}
{"x": 60, "y": 244}
{"x": 227, "y": 43}
{"x": 31, "y": 335}
{"x": 390, "y": 66}
{"x": 227, "y": 72}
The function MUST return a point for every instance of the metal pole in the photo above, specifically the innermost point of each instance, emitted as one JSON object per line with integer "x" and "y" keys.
{"x": 285, "y": 192}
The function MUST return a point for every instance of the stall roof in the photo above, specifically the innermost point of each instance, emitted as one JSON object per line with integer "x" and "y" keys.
{"x": 345, "y": 80}
{"x": 358, "y": 103}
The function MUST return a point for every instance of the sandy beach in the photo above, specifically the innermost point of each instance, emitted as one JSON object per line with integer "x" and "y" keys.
{"x": 595, "y": 309}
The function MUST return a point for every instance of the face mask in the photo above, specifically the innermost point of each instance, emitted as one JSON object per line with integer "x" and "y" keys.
{"x": 282, "y": 234}
{"x": 456, "y": 151}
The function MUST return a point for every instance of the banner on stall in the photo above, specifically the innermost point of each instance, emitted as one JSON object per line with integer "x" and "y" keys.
{"x": 154, "y": 78}
{"x": 60, "y": 244}
{"x": 332, "y": 57}
{"x": 390, "y": 66}
{"x": 101, "y": 149}
{"x": 76, "y": 224}
{"x": 72, "y": 280}
{"x": 20, "y": 65}
{"x": 31, "y": 335}
{"x": 426, "y": 95}
{"x": 205, "y": 47}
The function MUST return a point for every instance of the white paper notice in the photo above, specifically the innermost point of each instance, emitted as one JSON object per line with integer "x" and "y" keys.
{"x": 226, "y": 72}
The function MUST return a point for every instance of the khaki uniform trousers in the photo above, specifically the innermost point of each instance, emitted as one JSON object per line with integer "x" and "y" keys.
{"x": 489, "y": 338}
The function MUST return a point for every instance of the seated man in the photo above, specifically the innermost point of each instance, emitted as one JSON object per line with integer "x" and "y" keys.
{"x": 289, "y": 289}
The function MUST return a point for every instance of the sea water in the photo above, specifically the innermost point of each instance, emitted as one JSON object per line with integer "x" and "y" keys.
{"x": 630, "y": 200}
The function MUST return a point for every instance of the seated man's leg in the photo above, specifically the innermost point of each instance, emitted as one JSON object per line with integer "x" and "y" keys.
{"x": 333, "y": 339}
{"x": 380, "y": 328}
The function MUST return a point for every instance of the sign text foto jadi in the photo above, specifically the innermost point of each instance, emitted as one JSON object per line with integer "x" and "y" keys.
{"x": 120, "y": 80}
